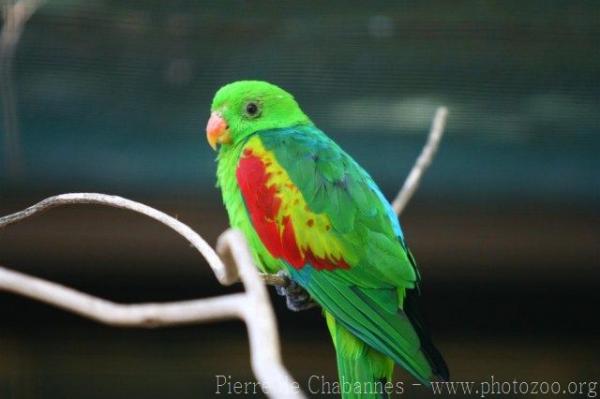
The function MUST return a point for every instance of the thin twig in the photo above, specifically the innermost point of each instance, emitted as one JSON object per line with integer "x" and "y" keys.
{"x": 226, "y": 273}
{"x": 414, "y": 178}
{"x": 275, "y": 279}
{"x": 15, "y": 17}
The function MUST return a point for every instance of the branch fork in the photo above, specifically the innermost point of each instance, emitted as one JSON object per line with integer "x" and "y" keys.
{"x": 230, "y": 263}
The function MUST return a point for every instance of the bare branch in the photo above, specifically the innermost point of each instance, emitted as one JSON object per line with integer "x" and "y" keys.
{"x": 414, "y": 178}
{"x": 253, "y": 307}
{"x": 264, "y": 338}
{"x": 106, "y": 312}
{"x": 226, "y": 273}
{"x": 235, "y": 262}
{"x": 15, "y": 17}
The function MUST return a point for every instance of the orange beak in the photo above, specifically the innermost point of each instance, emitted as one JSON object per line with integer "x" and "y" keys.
{"x": 217, "y": 131}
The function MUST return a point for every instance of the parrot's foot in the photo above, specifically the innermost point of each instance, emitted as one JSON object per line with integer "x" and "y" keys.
{"x": 297, "y": 298}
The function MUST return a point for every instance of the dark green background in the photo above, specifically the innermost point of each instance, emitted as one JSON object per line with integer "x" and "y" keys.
{"x": 113, "y": 96}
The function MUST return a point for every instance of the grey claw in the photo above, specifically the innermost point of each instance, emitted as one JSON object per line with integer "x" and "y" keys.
{"x": 297, "y": 306}
{"x": 297, "y": 298}
{"x": 282, "y": 289}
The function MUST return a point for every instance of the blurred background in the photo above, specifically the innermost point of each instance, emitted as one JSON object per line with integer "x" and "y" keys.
{"x": 113, "y": 97}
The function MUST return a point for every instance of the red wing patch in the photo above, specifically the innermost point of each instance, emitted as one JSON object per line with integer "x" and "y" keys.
{"x": 263, "y": 190}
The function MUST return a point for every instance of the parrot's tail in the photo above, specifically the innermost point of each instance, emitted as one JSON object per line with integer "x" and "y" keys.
{"x": 364, "y": 373}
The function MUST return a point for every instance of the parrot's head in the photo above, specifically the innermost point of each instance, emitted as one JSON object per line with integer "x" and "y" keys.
{"x": 248, "y": 106}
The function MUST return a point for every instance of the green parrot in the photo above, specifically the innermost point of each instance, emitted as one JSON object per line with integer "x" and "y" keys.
{"x": 310, "y": 211}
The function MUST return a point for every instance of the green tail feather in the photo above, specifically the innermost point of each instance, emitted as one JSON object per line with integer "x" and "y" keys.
{"x": 363, "y": 372}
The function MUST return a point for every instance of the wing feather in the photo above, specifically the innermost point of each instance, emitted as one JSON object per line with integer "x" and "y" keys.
{"x": 349, "y": 249}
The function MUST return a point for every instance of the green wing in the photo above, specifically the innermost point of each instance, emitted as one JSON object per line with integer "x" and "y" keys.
{"x": 367, "y": 298}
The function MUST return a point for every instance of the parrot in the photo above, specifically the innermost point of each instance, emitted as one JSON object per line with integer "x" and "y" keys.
{"x": 309, "y": 211}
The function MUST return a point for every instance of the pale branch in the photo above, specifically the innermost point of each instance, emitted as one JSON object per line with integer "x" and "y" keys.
{"x": 16, "y": 15}
{"x": 235, "y": 262}
{"x": 122, "y": 315}
{"x": 252, "y": 306}
{"x": 425, "y": 158}
{"x": 225, "y": 272}
{"x": 263, "y": 334}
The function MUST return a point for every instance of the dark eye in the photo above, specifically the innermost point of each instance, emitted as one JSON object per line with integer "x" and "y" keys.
{"x": 252, "y": 109}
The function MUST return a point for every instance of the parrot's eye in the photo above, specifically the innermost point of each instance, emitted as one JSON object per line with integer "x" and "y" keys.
{"x": 252, "y": 109}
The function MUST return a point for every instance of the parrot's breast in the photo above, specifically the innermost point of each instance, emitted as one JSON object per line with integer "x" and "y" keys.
{"x": 236, "y": 209}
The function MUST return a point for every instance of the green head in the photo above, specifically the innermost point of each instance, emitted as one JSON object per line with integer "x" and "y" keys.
{"x": 248, "y": 106}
